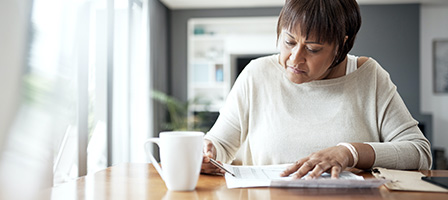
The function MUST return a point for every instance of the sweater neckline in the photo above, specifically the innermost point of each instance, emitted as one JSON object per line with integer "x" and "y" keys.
{"x": 325, "y": 82}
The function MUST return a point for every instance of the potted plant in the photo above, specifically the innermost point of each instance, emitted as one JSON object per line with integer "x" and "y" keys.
{"x": 179, "y": 117}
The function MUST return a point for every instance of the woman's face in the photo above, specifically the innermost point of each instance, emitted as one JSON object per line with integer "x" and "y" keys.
{"x": 304, "y": 59}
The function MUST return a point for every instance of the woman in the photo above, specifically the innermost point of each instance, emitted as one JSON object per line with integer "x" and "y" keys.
{"x": 314, "y": 105}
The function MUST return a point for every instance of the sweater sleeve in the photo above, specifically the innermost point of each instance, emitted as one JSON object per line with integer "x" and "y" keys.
{"x": 402, "y": 145}
{"x": 230, "y": 129}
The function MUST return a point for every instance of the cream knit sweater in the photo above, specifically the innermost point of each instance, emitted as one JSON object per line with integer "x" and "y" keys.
{"x": 276, "y": 121}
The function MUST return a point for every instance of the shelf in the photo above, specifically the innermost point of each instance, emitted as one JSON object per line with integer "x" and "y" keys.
{"x": 207, "y": 72}
{"x": 207, "y": 38}
{"x": 205, "y": 86}
{"x": 206, "y": 61}
{"x": 212, "y": 42}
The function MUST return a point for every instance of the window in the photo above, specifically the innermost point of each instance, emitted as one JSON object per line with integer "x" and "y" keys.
{"x": 85, "y": 94}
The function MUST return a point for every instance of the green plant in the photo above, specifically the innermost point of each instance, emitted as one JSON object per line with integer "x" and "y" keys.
{"x": 179, "y": 118}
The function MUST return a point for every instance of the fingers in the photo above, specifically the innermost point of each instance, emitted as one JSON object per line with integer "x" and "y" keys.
{"x": 312, "y": 169}
{"x": 205, "y": 158}
{"x": 209, "y": 149}
{"x": 332, "y": 160}
{"x": 318, "y": 170}
{"x": 335, "y": 171}
{"x": 304, "y": 169}
{"x": 209, "y": 152}
{"x": 291, "y": 169}
{"x": 208, "y": 168}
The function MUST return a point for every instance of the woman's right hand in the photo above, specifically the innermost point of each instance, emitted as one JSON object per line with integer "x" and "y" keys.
{"x": 209, "y": 152}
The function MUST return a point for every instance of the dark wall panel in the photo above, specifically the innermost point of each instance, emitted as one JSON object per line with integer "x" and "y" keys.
{"x": 391, "y": 35}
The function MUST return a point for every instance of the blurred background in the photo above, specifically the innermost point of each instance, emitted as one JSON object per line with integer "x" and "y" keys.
{"x": 83, "y": 83}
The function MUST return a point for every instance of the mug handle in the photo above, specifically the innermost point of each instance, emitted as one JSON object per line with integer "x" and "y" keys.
{"x": 151, "y": 157}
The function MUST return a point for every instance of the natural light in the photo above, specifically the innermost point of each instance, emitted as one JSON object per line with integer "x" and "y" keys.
{"x": 85, "y": 91}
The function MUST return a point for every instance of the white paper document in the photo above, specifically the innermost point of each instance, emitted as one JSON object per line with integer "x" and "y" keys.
{"x": 269, "y": 176}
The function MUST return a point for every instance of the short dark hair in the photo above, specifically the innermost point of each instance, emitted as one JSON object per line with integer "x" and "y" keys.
{"x": 328, "y": 20}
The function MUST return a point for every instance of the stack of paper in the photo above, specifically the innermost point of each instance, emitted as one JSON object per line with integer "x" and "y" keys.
{"x": 269, "y": 176}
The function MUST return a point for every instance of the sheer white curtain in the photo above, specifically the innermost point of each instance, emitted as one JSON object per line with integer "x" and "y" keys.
{"x": 85, "y": 91}
{"x": 118, "y": 82}
{"x": 140, "y": 83}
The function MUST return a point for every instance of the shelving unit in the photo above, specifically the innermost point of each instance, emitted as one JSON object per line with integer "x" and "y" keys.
{"x": 212, "y": 43}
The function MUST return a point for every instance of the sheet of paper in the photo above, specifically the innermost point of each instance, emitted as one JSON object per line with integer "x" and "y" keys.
{"x": 269, "y": 176}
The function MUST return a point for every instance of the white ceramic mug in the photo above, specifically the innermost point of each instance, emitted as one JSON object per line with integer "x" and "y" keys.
{"x": 181, "y": 158}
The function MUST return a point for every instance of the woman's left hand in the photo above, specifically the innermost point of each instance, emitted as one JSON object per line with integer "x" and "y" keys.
{"x": 332, "y": 159}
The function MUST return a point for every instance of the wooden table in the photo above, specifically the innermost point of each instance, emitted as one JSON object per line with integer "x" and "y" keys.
{"x": 141, "y": 181}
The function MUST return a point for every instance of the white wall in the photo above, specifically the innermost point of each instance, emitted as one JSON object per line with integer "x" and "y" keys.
{"x": 434, "y": 25}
